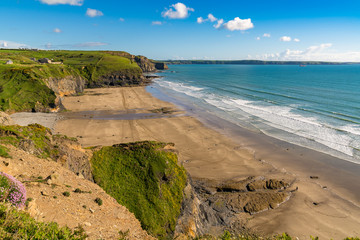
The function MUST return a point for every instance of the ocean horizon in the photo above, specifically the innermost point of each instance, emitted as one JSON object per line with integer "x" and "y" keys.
{"x": 316, "y": 107}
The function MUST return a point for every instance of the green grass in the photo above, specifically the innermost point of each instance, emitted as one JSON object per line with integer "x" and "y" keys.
{"x": 15, "y": 224}
{"x": 23, "y": 84}
{"x": 4, "y": 152}
{"x": 37, "y": 138}
{"x": 145, "y": 179}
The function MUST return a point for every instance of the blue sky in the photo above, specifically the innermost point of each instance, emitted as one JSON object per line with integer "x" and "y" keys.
{"x": 253, "y": 29}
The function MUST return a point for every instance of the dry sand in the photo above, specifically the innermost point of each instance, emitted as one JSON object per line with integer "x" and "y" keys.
{"x": 328, "y": 207}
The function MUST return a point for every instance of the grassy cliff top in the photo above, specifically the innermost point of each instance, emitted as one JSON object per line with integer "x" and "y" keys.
{"x": 24, "y": 83}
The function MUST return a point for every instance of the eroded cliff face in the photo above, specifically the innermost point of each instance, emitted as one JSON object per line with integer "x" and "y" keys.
{"x": 66, "y": 86}
{"x": 145, "y": 64}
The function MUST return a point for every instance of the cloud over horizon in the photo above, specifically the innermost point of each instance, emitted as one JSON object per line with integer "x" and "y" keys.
{"x": 313, "y": 53}
{"x": 94, "y": 13}
{"x": 10, "y": 44}
{"x": 69, "y": 2}
{"x": 177, "y": 11}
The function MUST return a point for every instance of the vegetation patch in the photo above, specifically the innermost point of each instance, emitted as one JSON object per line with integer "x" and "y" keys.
{"x": 15, "y": 224}
{"x": 11, "y": 190}
{"x": 4, "y": 152}
{"x": 145, "y": 179}
{"x": 32, "y": 138}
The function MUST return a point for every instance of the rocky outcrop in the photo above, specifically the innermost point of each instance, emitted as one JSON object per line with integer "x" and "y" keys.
{"x": 118, "y": 79}
{"x": 73, "y": 157}
{"x": 161, "y": 66}
{"x": 5, "y": 119}
{"x": 145, "y": 64}
{"x": 210, "y": 207}
{"x": 66, "y": 86}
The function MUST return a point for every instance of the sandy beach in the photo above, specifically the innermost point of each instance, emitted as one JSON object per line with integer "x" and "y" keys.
{"x": 327, "y": 206}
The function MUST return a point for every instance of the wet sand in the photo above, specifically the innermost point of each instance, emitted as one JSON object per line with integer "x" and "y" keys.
{"x": 328, "y": 207}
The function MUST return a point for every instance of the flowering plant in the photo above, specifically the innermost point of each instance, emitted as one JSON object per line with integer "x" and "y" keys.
{"x": 12, "y": 190}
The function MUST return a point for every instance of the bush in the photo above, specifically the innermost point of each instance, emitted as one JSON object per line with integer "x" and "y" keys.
{"x": 66, "y": 194}
{"x": 12, "y": 191}
{"x": 99, "y": 201}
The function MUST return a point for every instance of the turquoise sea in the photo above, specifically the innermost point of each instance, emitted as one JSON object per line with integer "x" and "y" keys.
{"x": 317, "y": 107}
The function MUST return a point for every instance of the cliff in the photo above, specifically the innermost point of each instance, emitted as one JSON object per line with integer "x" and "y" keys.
{"x": 28, "y": 85}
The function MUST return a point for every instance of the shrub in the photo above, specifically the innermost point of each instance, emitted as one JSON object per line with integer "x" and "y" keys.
{"x": 4, "y": 152}
{"x": 66, "y": 194}
{"x": 12, "y": 191}
{"x": 99, "y": 201}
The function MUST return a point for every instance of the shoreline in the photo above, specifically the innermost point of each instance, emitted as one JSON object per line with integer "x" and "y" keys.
{"x": 263, "y": 145}
{"x": 226, "y": 153}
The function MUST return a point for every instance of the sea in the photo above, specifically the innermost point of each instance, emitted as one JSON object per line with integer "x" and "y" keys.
{"x": 316, "y": 106}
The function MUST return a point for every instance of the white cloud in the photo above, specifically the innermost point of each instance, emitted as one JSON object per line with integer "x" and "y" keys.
{"x": 239, "y": 24}
{"x": 258, "y": 38}
{"x": 212, "y": 18}
{"x": 13, "y": 45}
{"x": 296, "y": 40}
{"x": 69, "y": 2}
{"x": 156, "y": 23}
{"x": 121, "y": 20}
{"x": 57, "y": 30}
{"x": 285, "y": 39}
{"x": 219, "y": 23}
{"x": 201, "y": 20}
{"x": 94, "y": 13}
{"x": 267, "y": 35}
{"x": 322, "y": 52}
{"x": 177, "y": 11}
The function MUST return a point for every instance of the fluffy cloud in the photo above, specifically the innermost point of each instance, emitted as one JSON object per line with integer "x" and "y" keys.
{"x": 177, "y": 11}
{"x": 212, "y": 18}
{"x": 285, "y": 39}
{"x": 69, "y": 2}
{"x": 9, "y": 44}
{"x": 238, "y": 24}
{"x": 94, "y": 13}
{"x": 296, "y": 40}
{"x": 156, "y": 23}
{"x": 267, "y": 35}
{"x": 258, "y": 38}
{"x": 200, "y": 20}
{"x": 57, "y": 30}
